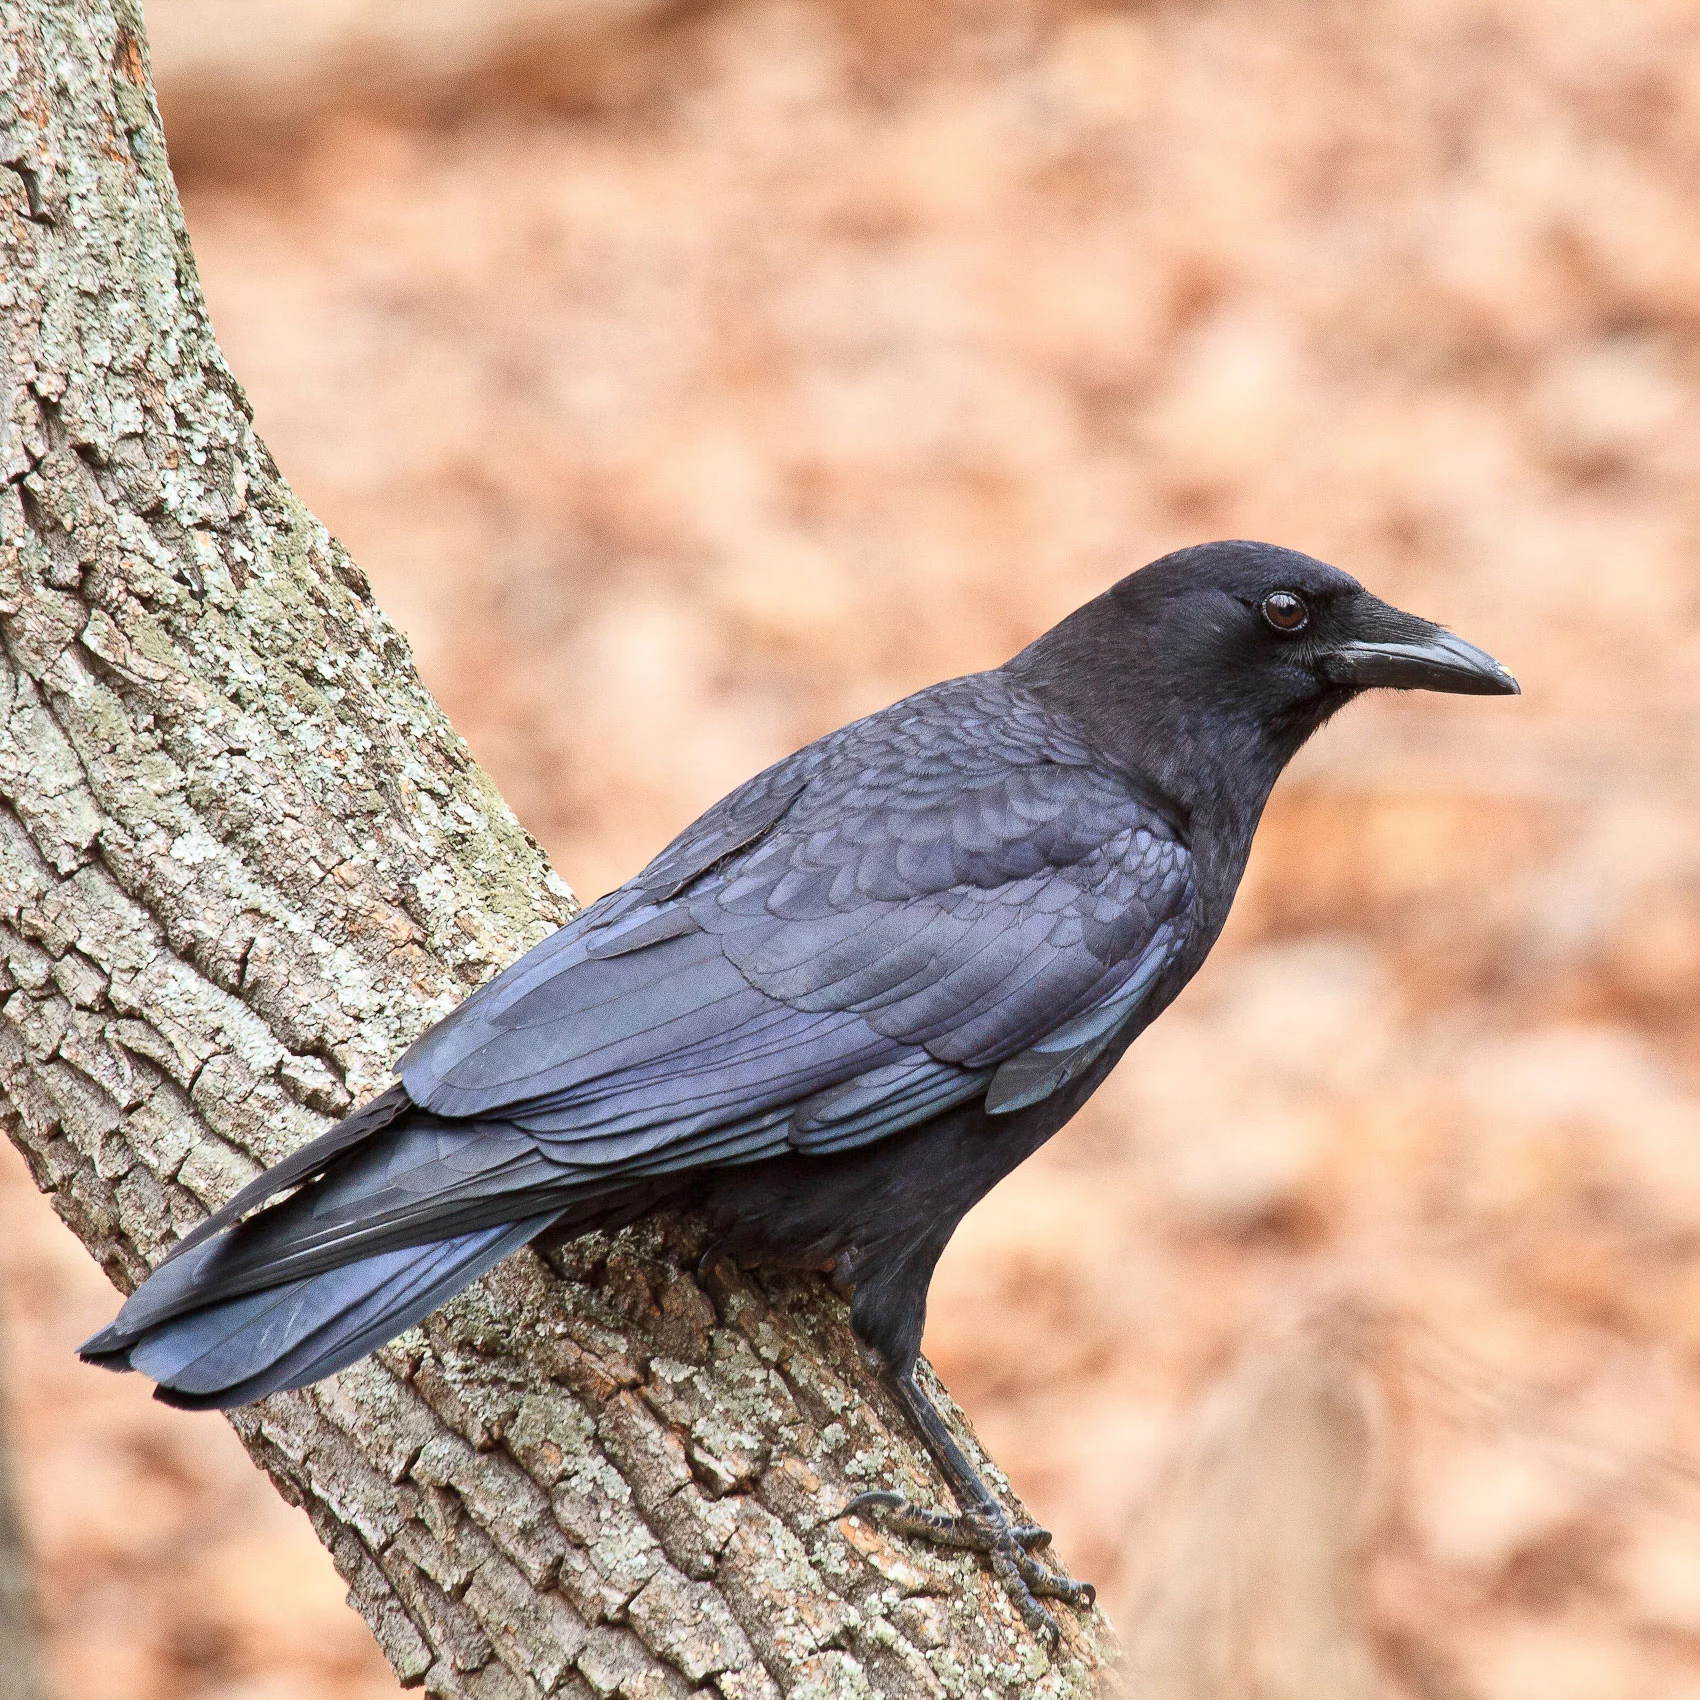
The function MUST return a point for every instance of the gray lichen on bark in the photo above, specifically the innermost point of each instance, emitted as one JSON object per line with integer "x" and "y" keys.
{"x": 244, "y": 859}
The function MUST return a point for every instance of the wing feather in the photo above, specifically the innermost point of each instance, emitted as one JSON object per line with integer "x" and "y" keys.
{"x": 887, "y": 924}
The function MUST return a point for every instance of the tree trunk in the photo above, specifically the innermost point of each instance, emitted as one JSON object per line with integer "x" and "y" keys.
{"x": 243, "y": 861}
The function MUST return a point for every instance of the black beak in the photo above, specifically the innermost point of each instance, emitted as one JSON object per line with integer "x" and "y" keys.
{"x": 1402, "y": 653}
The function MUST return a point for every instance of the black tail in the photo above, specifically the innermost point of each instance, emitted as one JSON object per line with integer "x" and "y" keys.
{"x": 239, "y": 1350}
{"x": 396, "y": 1211}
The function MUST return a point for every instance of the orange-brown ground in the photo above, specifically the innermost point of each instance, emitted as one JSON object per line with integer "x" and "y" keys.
{"x": 705, "y": 385}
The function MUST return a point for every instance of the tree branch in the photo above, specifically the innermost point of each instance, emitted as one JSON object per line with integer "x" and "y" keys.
{"x": 243, "y": 860}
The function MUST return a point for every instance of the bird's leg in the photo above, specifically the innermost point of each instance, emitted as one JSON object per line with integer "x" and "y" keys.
{"x": 981, "y": 1526}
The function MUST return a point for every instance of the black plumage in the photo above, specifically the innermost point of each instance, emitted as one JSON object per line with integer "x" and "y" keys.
{"x": 837, "y": 1009}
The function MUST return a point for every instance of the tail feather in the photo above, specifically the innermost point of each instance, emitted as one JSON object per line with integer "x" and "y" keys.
{"x": 353, "y": 1238}
{"x": 242, "y": 1348}
{"x": 421, "y": 1184}
{"x": 307, "y": 1164}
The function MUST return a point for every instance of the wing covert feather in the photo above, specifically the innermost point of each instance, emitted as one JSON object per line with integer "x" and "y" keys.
{"x": 901, "y": 915}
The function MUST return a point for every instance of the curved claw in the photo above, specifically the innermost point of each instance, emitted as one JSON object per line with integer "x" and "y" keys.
{"x": 982, "y": 1526}
{"x": 878, "y": 1499}
{"x": 1047, "y": 1584}
{"x": 1008, "y": 1547}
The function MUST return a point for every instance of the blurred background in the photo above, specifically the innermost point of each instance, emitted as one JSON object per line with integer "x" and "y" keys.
{"x": 691, "y": 378}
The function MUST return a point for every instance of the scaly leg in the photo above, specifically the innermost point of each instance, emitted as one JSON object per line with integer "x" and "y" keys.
{"x": 981, "y": 1526}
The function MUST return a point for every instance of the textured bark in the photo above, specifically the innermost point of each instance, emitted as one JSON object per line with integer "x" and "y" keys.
{"x": 243, "y": 860}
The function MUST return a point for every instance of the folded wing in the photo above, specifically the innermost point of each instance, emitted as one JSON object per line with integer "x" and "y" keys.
{"x": 916, "y": 902}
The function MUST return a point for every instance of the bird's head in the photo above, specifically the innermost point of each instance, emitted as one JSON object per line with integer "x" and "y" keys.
{"x": 1229, "y": 655}
{"x": 1290, "y": 632}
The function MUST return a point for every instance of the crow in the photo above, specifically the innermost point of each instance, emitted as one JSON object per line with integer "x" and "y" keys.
{"x": 834, "y": 1012}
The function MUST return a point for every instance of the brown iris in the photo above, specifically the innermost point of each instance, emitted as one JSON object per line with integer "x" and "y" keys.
{"x": 1285, "y": 610}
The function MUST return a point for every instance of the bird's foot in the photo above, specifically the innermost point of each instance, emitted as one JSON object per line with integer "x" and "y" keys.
{"x": 1008, "y": 1546}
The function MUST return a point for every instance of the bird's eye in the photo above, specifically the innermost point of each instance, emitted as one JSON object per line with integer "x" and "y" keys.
{"x": 1285, "y": 610}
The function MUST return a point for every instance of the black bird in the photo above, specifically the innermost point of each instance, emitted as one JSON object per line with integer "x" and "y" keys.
{"x": 835, "y": 1011}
